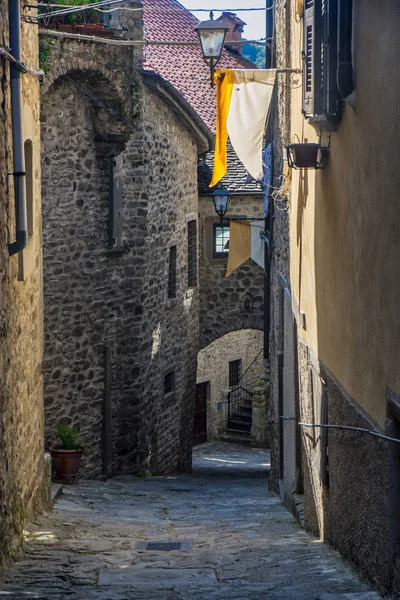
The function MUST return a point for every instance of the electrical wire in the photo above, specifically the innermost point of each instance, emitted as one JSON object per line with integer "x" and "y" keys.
{"x": 119, "y": 42}
{"x": 74, "y": 9}
{"x": 21, "y": 65}
{"x": 95, "y": 6}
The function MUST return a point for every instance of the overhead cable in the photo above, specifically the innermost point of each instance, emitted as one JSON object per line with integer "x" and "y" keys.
{"x": 21, "y": 65}
{"x": 119, "y": 42}
{"x": 97, "y": 5}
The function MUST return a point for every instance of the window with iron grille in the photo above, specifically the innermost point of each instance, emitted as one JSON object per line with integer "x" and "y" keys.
{"x": 172, "y": 272}
{"x": 221, "y": 240}
{"x": 192, "y": 254}
{"x": 235, "y": 372}
{"x": 169, "y": 383}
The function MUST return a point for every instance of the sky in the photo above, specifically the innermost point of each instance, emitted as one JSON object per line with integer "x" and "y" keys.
{"x": 255, "y": 28}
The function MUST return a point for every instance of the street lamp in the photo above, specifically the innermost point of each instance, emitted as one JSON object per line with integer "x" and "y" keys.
{"x": 212, "y": 37}
{"x": 221, "y": 199}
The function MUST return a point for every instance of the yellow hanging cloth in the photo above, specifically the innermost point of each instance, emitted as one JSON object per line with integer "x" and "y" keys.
{"x": 239, "y": 245}
{"x": 225, "y": 80}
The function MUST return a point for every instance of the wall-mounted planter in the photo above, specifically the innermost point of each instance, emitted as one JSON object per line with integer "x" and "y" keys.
{"x": 306, "y": 156}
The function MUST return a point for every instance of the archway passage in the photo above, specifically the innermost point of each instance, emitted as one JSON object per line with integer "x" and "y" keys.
{"x": 231, "y": 405}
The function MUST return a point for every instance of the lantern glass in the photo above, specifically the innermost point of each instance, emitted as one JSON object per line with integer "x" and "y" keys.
{"x": 212, "y": 42}
{"x": 221, "y": 201}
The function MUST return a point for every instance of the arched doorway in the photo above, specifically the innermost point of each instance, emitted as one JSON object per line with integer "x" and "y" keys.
{"x": 229, "y": 374}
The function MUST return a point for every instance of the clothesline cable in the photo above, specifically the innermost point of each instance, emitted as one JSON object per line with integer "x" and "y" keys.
{"x": 345, "y": 428}
{"x": 246, "y": 218}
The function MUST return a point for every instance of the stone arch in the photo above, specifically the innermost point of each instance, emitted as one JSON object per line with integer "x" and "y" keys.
{"x": 110, "y": 120}
{"x": 232, "y": 310}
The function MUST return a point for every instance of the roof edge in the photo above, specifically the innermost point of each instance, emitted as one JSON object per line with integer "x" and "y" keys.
{"x": 183, "y": 110}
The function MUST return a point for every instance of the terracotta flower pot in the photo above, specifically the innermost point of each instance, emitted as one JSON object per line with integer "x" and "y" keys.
{"x": 65, "y": 464}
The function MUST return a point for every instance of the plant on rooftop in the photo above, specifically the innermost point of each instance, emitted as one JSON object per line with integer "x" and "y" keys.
{"x": 77, "y": 18}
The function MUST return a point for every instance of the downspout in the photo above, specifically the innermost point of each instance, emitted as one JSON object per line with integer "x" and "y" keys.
{"x": 269, "y": 34}
{"x": 14, "y": 13}
{"x": 344, "y": 71}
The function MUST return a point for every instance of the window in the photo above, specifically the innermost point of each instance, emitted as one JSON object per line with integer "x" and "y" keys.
{"x": 169, "y": 384}
{"x": 172, "y": 272}
{"x": 192, "y": 253}
{"x": 221, "y": 240}
{"x": 320, "y": 92}
{"x": 115, "y": 208}
{"x": 29, "y": 186}
{"x": 235, "y": 372}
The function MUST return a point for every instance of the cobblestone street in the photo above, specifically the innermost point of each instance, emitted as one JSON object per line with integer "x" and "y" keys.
{"x": 240, "y": 544}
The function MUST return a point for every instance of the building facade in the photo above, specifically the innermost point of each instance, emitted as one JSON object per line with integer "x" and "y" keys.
{"x": 24, "y": 476}
{"x": 335, "y": 339}
{"x": 119, "y": 154}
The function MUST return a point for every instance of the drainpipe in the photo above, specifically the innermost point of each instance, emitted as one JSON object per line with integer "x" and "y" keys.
{"x": 269, "y": 28}
{"x": 344, "y": 72}
{"x": 17, "y": 138}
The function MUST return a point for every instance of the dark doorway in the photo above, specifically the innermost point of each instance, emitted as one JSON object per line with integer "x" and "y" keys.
{"x": 200, "y": 413}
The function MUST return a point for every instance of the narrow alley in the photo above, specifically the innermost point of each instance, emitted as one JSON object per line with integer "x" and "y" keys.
{"x": 237, "y": 541}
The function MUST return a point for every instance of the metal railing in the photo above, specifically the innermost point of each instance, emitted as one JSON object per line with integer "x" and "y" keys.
{"x": 240, "y": 408}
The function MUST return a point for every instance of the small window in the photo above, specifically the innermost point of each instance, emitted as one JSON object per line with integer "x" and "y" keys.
{"x": 169, "y": 384}
{"x": 115, "y": 208}
{"x": 172, "y": 272}
{"x": 28, "y": 152}
{"x": 235, "y": 372}
{"x": 192, "y": 254}
{"x": 221, "y": 240}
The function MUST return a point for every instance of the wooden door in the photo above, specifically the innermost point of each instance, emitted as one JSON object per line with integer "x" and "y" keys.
{"x": 200, "y": 414}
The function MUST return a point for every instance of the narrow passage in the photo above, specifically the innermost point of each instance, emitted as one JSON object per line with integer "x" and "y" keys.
{"x": 105, "y": 540}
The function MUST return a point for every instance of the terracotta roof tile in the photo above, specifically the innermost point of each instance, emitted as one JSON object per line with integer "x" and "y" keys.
{"x": 183, "y": 66}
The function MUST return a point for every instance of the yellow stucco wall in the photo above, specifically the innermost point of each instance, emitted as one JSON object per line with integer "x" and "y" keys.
{"x": 345, "y": 220}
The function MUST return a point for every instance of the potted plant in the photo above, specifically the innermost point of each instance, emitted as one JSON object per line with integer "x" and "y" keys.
{"x": 66, "y": 458}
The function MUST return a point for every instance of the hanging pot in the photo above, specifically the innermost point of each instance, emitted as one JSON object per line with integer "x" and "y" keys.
{"x": 305, "y": 156}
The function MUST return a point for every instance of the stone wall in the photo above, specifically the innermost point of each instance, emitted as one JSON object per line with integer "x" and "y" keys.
{"x": 23, "y": 484}
{"x": 280, "y": 260}
{"x": 235, "y": 302}
{"x": 111, "y": 331}
{"x": 359, "y": 487}
{"x": 213, "y": 366}
{"x": 170, "y": 326}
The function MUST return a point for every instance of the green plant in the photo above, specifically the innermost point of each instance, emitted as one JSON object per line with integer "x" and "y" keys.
{"x": 69, "y": 437}
{"x": 78, "y": 18}
{"x": 45, "y": 45}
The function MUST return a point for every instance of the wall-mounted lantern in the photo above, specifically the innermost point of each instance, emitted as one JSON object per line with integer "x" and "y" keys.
{"x": 306, "y": 156}
{"x": 221, "y": 198}
{"x": 212, "y": 37}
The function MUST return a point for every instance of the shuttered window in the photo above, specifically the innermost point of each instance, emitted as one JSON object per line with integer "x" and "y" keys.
{"x": 192, "y": 254}
{"x": 320, "y": 94}
{"x": 172, "y": 272}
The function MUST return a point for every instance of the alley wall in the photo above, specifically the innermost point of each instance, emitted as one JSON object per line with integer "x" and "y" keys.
{"x": 344, "y": 287}
{"x": 24, "y": 480}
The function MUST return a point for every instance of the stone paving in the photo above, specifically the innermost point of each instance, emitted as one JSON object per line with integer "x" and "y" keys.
{"x": 240, "y": 543}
